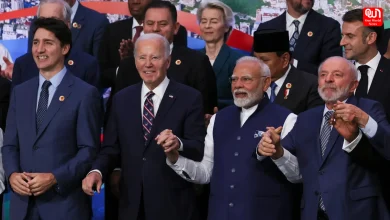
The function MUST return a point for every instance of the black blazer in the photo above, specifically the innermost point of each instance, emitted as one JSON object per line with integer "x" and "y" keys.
{"x": 5, "y": 88}
{"x": 189, "y": 67}
{"x": 382, "y": 44}
{"x": 108, "y": 54}
{"x": 311, "y": 51}
{"x": 303, "y": 93}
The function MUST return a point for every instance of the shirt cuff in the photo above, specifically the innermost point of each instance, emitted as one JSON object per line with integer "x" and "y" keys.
{"x": 97, "y": 171}
{"x": 181, "y": 145}
{"x": 258, "y": 156}
{"x": 295, "y": 63}
{"x": 284, "y": 159}
{"x": 348, "y": 147}
{"x": 179, "y": 165}
{"x": 371, "y": 127}
{"x": 116, "y": 72}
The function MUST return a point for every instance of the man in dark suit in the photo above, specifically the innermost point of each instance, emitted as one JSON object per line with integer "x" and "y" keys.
{"x": 322, "y": 141}
{"x": 313, "y": 37}
{"x": 130, "y": 29}
{"x": 52, "y": 135}
{"x": 383, "y": 44}
{"x": 360, "y": 44}
{"x": 87, "y": 27}
{"x": 290, "y": 87}
{"x": 157, "y": 111}
{"x": 5, "y": 88}
{"x": 81, "y": 64}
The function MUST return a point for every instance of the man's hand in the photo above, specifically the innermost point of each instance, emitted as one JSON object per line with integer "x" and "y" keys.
{"x": 207, "y": 117}
{"x": 126, "y": 47}
{"x": 39, "y": 183}
{"x": 170, "y": 144}
{"x": 270, "y": 143}
{"x": 19, "y": 184}
{"x": 91, "y": 180}
{"x": 350, "y": 113}
{"x": 7, "y": 72}
{"x": 115, "y": 178}
{"x": 348, "y": 129}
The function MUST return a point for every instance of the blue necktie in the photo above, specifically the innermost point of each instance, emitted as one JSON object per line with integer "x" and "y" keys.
{"x": 294, "y": 37}
{"x": 42, "y": 104}
{"x": 324, "y": 137}
{"x": 148, "y": 115}
{"x": 273, "y": 95}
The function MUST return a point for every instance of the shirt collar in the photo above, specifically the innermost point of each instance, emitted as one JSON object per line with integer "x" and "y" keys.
{"x": 158, "y": 91}
{"x": 249, "y": 110}
{"x": 281, "y": 80}
{"x": 290, "y": 19}
{"x": 74, "y": 9}
{"x": 170, "y": 48}
{"x": 373, "y": 63}
{"x": 135, "y": 23}
{"x": 55, "y": 80}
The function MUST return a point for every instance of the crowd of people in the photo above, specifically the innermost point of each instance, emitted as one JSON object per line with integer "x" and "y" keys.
{"x": 298, "y": 130}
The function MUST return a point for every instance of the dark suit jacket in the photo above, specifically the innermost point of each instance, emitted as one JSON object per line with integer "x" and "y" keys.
{"x": 88, "y": 36}
{"x": 66, "y": 146}
{"x": 311, "y": 51}
{"x": 5, "y": 88}
{"x": 188, "y": 66}
{"x": 144, "y": 169}
{"x": 223, "y": 68}
{"x": 303, "y": 93}
{"x": 81, "y": 64}
{"x": 108, "y": 56}
{"x": 382, "y": 45}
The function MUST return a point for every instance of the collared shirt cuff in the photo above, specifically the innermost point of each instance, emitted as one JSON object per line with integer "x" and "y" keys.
{"x": 258, "y": 156}
{"x": 284, "y": 159}
{"x": 179, "y": 165}
{"x": 371, "y": 127}
{"x": 348, "y": 147}
{"x": 181, "y": 145}
{"x": 97, "y": 171}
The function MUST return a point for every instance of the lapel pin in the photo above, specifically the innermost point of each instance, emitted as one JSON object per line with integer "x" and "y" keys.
{"x": 310, "y": 33}
{"x": 62, "y": 98}
{"x": 171, "y": 96}
{"x": 75, "y": 25}
{"x": 178, "y": 62}
{"x": 288, "y": 85}
{"x": 381, "y": 70}
{"x": 286, "y": 93}
{"x": 70, "y": 62}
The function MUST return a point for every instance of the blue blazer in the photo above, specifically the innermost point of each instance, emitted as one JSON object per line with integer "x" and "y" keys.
{"x": 65, "y": 146}
{"x": 80, "y": 64}
{"x": 349, "y": 189}
{"x": 145, "y": 173}
{"x": 223, "y": 68}
{"x": 88, "y": 35}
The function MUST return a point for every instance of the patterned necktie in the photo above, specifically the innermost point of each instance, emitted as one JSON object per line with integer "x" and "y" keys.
{"x": 362, "y": 88}
{"x": 148, "y": 115}
{"x": 273, "y": 95}
{"x": 42, "y": 104}
{"x": 324, "y": 137}
{"x": 138, "y": 30}
{"x": 294, "y": 37}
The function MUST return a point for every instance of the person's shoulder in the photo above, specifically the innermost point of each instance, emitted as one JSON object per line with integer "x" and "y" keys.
{"x": 183, "y": 91}
{"x": 80, "y": 85}
{"x": 92, "y": 14}
{"x": 82, "y": 57}
{"x": 190, "y": 53}
{"x": 323, "y": 18}
{"x": 121, "y": 24}
{"x": 25, "y": 58}
{"x": 309, "y": 78}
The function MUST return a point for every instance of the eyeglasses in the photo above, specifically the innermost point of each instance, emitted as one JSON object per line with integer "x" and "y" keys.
{"x": 244, "y": 79}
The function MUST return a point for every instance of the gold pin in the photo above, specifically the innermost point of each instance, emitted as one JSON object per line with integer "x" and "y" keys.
{"x": 178, "y": 62}
{"x": 62, "y": 98}
{"x": 288, "y": 85}
{"x": 310, "y": 33}
{"x": 70, "y": 62}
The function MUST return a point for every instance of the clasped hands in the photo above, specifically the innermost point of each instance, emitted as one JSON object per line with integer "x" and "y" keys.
{"x": 170, "y": 144}
{"x": 28, "y": 184}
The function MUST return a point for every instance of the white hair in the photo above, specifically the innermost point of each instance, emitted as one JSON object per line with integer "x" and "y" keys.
{"x": 350, "y": 64}
{"x": 153, "y": 36}
{"x": 228, "y": 16}
{"x": 66, "y": 11}
{"x": 264, "y": 69}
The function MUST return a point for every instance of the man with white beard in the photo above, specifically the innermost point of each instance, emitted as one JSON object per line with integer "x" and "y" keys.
{"x": 241, "y": 185}
{"x": 335, "y": 147}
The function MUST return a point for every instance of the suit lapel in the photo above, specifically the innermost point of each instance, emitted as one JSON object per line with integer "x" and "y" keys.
{"x": 281, "y": 21}
{"x": 64, "y": 89}
{"x": 304, "y": 39}
{"x": 221, "y": 59}
{"x": 173, "y": 67}
{"x": 289, "y": 79}
{"x": 376, "y": 87}
{"x": 32, "y": 96}
{"x": 317, "y": 123}
{"x": 166, "y": 103}
{"x": 78, "y": 22}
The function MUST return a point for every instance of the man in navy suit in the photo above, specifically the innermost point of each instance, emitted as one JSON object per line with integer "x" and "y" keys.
{"x": 157, "y": 111}
{"x": 313, "y": 37}
{"x": 52, "y": 134}
{"x": 327, "y": 141}
{"x": 87, "y": 27}
{"x": 81, "y": 64}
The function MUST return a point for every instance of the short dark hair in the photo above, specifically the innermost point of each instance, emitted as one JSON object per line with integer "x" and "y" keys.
{"x": 57, "y": 27}
{"x": 163, "y": 4}
{"x": 357, "y": 15}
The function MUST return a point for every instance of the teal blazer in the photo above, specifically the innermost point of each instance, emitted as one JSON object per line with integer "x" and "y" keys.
{"x": 223, "y": 68}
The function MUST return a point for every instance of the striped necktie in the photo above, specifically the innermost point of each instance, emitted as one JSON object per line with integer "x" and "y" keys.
{"x": 294, "y": 37}
{"x": 148, "y": 115}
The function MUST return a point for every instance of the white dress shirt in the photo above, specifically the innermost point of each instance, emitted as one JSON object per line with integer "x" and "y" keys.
{"x": 373, "y": 65}
{"x": 134, "y": 30}
{"x": 290, "y": 27}
{"x": 288, "y": 163}
{"x": 200, "y": 172}
{"x": 279, "y": 83}
{"x": 74, "y": 10}
{"x": 2, "y": 174}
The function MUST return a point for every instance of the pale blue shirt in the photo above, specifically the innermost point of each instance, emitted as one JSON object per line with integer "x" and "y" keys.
{"x": 74, "y": 10}
{"x": 55, "y": 82}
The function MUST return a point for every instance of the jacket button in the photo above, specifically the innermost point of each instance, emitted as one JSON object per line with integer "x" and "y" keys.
{"x": 231, "y": 204}
{"x": 233, "y": 170}
{"x": 236, "y": 154}
{"x": 144, "y": 159}
{"x": 239, "y": 138}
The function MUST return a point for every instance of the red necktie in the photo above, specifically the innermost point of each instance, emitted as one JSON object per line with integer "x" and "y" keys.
{"x": 138, "y": 30}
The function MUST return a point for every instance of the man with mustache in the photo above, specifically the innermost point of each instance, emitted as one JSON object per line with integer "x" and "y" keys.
{"x": 313, "y": 36}
{"x": 241, "y": 186}
{"x": 330, "y": 147}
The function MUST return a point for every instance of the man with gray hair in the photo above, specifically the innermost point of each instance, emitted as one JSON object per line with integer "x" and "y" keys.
{"x": 149, "y": 122}
{"x": 82, "y": 64}
{"x": 242, "y": 187}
